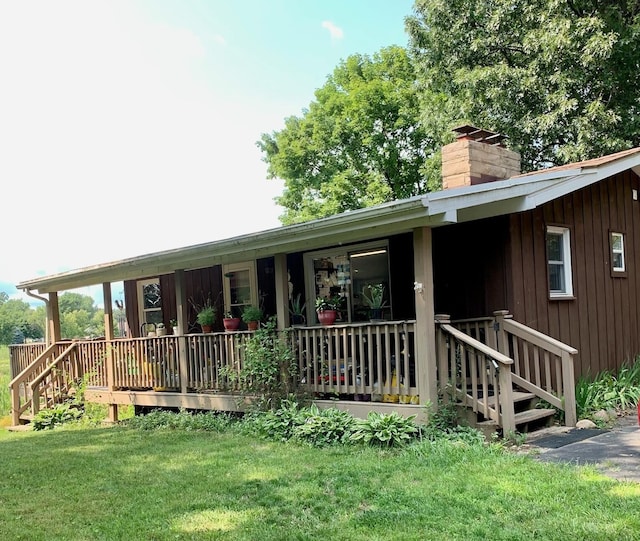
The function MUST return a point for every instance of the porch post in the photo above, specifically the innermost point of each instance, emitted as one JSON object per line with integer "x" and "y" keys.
{"x": 53, "y": 318}
{"x": 425, "y": 321}
{"x": 181, "y": 317}
{"x": 282, "y": 291}
{"x": 108, "y": 335}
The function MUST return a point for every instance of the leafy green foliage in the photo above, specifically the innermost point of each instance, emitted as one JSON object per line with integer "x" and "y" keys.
{"x": 324, "y": 427}
{"x": 18, "y": 319}
{"x": 385, "y": 429}
{"x": 559, "y": 78}
{"x": 167, "y": 420}
{"x": 609, "y": 390}
{"x": 60, "y": 414}
{"x": 269, "y": 368}
{"x": 358, "y": 144}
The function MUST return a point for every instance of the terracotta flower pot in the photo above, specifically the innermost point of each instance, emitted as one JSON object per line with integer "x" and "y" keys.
{"x": 207, "y": 328}
{"x": 327, "y": 317}
{"x": 231, "y": 323}
{"x": 252, "y": 325}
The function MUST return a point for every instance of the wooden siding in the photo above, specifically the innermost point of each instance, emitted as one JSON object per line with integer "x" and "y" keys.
{"x": 601, "y": 321}
{"x": 198, "y": 282}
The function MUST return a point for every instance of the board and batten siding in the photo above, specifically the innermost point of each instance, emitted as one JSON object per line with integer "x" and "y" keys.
{"x": 601, "y": 320}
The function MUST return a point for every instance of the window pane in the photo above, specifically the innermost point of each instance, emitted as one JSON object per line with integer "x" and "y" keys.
{"x": 618, "y": 263}
{"x": 556, "y": 278}
{"x": 554, "y": 247}
{"x": 151, "y": 296}
{"x": 617, "y": 241}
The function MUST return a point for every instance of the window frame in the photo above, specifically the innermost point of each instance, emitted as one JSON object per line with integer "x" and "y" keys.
{"x": 227, "y": 270}
{"x": 617, "y": 272}
{"x": 565, "y": 233}
{"x": 347, "y": 250}
{"x": 142, "y": 311}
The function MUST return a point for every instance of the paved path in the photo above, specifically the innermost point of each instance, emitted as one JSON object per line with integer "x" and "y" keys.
{"x": 614, "y": 452}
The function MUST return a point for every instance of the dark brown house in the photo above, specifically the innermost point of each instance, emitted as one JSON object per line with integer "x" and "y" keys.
{"x": 557, "y": 249}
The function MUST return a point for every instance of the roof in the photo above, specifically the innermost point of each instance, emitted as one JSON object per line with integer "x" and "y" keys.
{"x": 519, "y": 193}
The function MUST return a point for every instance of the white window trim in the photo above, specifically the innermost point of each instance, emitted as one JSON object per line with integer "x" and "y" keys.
{"x": 141, "y": 309}
{"x": 253, "y": 282}
{"x": 621, "y": 252}
{"x": 566, "y": 250}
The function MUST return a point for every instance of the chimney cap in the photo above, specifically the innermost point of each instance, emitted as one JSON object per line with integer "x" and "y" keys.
{"x": 477, "y": 134}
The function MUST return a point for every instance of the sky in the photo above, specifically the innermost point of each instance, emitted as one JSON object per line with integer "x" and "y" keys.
{"x": 129, "y": 127}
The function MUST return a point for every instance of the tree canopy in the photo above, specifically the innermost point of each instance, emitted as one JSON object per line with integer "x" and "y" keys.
{"x": 558, "y": 77}
{"x": 359, "y": 143}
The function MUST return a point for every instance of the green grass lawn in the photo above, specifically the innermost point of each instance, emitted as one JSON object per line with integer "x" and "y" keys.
{"x": 118, "y": 483}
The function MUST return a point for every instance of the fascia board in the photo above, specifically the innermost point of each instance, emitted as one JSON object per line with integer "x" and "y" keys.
{"x": 549, "y": 193}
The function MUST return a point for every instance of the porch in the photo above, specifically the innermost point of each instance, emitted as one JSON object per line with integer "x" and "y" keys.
{"x": 486, "y": 366}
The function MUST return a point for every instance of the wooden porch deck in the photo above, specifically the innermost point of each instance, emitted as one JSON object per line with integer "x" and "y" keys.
{"x": 483, "y": 365}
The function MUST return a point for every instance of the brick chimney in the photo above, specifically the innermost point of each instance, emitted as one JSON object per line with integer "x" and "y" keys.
{"x": 478, "y": 156}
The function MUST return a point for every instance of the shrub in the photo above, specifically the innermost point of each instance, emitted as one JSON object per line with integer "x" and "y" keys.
{"x": 279, "y": 424}
{"x": 269, "y": 368}
{"x": 385, "y": 429}
{"x": 324, "y": 427}
{"x": 608, "y": 390}
{"x": 183, "y": 420}
{"x": 60, "y": 414}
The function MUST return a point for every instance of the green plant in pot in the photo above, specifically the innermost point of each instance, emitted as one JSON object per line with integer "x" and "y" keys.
{"x": 373, "y": 297}
{"x": 327, "y": 309}
{"x": 296, "y": 310}
{"x": 206, "y": 317}
{"x": 205, "y": 313}
{"x": 230, "y": 322}
{"x": 252, "y": 315}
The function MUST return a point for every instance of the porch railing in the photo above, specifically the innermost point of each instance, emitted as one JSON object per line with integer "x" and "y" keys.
{"x": 475, "y": 374}
{"x": 366, "y": 361}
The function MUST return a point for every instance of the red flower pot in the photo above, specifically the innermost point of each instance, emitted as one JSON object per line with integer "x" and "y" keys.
{"x": 327, "y": 317}
{"x": 231, "y": 323}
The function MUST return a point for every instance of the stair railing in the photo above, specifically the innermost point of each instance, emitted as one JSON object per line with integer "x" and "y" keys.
{"x": 54, "y": 382}
{"x": 543, "y": 365}
{"x": 475, "y": 374}
{"x": 19, "y": 386}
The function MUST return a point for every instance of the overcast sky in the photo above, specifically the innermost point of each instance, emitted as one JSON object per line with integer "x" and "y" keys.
{"x": 128, "y": 127}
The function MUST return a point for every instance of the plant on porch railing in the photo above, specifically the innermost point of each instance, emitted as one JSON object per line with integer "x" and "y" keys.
{"x": 269, "y": 369}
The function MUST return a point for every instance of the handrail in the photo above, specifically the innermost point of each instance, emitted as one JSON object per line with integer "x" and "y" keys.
{"x": 52, "y": 365}
{"x": 536, "y": 337}
{"x": 22, "y": 376}
{"x": 488, "y": 351}
{"x": 467, "y": 372}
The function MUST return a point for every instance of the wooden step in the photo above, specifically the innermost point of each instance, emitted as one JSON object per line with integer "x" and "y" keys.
{"x": 518, "y": 396}
{"x": 533, "y": 415}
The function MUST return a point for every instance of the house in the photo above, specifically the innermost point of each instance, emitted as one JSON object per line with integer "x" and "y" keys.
{"x": 500, "y": 288}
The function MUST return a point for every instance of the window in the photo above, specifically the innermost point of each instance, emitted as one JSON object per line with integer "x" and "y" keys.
{"x": 617, "y": 253}
{"x": 347, "y": 272}
{"x": 240, "y": 287}
{"x": 149, "y": 304}
{"x": 559, "y": 262}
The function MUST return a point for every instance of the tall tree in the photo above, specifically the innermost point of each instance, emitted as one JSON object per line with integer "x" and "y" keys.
{"x": 358, "y": 144}
{"x": 558, "y": 77}
{"x": 17, "y": 319}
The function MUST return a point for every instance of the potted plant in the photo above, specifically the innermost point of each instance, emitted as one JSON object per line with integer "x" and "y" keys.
{"x": 296, "y": 310}
{"x": 327, "y": 309}
{"x": 174, "y": 326}
{"x": 206, "y": 317}
{"x": 251, "y": 315}
{"x": 373, "y": 297}
{"x": 160, "y": 329}
{"x": 205, "y": 313}
{"x": 230, "y": 322}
